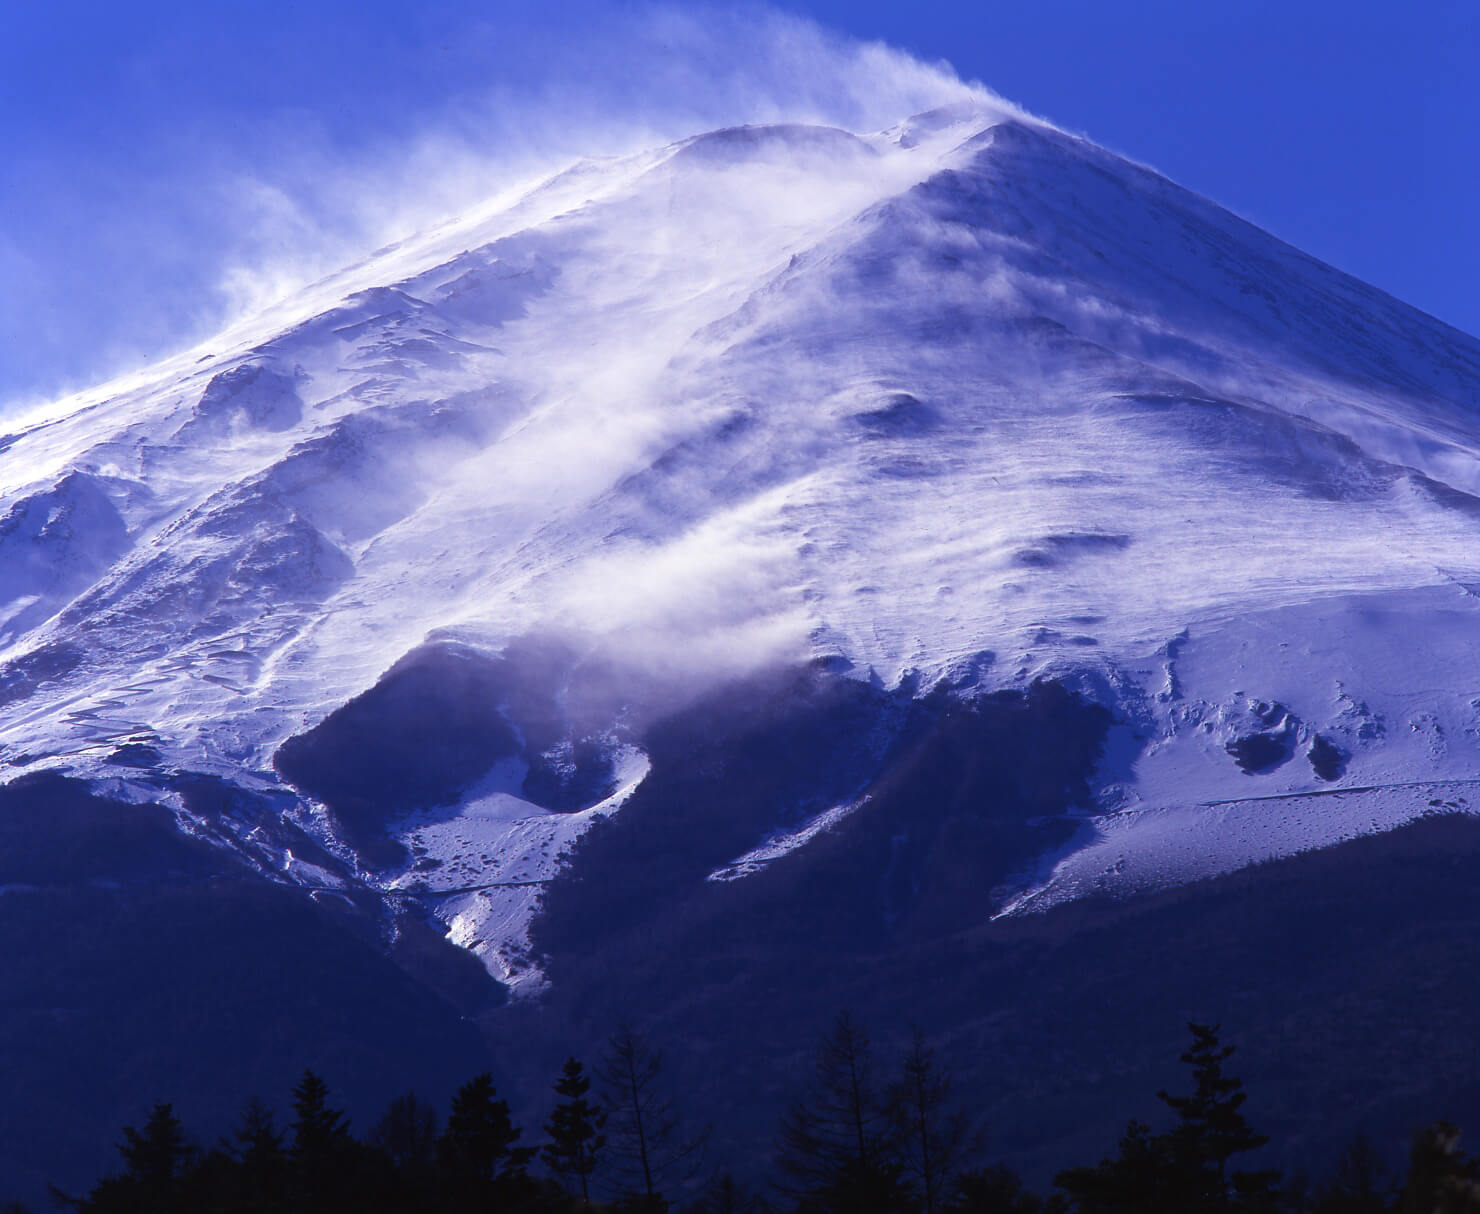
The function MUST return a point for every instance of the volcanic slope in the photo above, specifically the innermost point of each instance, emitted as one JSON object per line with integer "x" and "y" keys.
{"x": 428, "y": 559}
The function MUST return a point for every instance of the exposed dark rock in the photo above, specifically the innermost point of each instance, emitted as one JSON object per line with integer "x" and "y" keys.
{"x": 952, "y": 799}
{"x": 427, "y": 730}
{"x": 135, "y": 754}
{"x": 1262, "y": 750}
{"x": 253, "y": 394}
{"x": 1327, "y": 759}
{"x": 1258, "y": 753}
{"x": 570, "y": 776}
{"x": 1051, "y": 551}
{"x": 19, "y": 678}
{"x": 901, "y": 416}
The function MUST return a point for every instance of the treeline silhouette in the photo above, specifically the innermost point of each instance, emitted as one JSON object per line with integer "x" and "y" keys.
{"x": 855, "y": 1141}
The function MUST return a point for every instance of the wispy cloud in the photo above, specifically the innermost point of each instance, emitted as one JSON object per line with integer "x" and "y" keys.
{"x": 234, "y": 212}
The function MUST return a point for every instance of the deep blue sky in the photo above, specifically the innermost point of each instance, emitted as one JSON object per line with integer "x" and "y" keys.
{"x": 151, "y": 147}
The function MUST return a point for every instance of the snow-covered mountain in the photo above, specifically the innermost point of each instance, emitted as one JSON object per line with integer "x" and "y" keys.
{"x": 411, "y": 570}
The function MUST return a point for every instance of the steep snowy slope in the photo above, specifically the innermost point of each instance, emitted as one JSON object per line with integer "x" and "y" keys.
{"x": 417, "y": 559}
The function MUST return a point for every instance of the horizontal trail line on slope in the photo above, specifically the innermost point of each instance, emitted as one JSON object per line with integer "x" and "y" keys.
{"x": 473, "y": 889}
{"x": 1275, "y": 796}
{"x": 1336, "y": 792}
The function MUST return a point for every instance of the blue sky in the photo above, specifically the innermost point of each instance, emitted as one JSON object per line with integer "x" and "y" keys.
{"x": 167, "y": 162}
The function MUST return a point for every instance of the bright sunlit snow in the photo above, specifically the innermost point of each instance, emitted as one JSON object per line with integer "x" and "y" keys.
{"x": 781, "y": 393}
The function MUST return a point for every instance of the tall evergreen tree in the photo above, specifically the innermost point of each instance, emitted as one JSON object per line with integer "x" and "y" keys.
{"x": 1185, "y": 1169}
{"x": 155, "y": 1158}
{"x": 1142, "y": 1177}
{"x": 1441, "y": 1178}
{"x": 407, "y": 1137}
{"x": 156, "y": 1155}
{"x": 322, "y": 1147}
{"x": 261, "y": 1157}
{"x": 480, "y": 1164}
{"x": 574, "y": 1137}
{"x": 1211, "y": 1129}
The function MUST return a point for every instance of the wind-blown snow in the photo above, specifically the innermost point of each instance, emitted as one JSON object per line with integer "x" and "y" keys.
{"x": 772, "y": 394}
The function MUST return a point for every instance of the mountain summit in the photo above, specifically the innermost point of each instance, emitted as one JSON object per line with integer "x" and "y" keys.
{"x": 958, "y": 513}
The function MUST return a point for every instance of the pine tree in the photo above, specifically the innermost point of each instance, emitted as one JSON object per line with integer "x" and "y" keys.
{"x": 1211, "y": 1128}
{"x": 407, "y": 1137}
{"x": 157, "y": 1154}
{"x": 1441, "y": 1178}
{"x": 1185, "y": 1169}
{"x": 321, "y": 1145}
{"x": 574, "y": 1131}
{"x": 480, "y": 1164}
{"x": 155, "y": 1158}
{"x": 1142, "y": 1177}
{"x": 257, "y": 1146}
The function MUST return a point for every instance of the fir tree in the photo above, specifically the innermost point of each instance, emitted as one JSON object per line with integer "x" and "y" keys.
{"x": 407, "y": 1137}
{"x": 479, "y": 1162}
{"x": 322, "y": 1146}
{"x": 574, "y": 1131}
{"x": 1441, "y": 1178}
{"x": 155, "y": 1158}
{"x": 157, "y": 1154}
{"x": 257, "y": 1147}
{"x": 1141, "y": 1177}
{"x": 1211, "y": 1129}
{"x": 1185, "y": 1169}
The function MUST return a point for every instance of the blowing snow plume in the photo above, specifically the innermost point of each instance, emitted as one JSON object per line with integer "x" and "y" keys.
{"x": 241, "y": 208}
{"x": 878, "y": 413}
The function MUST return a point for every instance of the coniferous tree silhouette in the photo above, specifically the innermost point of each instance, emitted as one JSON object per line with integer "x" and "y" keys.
{"x": 1141, "y": 1177}
{"x": 321, "y": 1147}
{"x": 998, "y": 1190}
{"x": 479, "y": 1163}
{"x": 1185, "y": 1169}
{"x": 1441, "y": 1178}
{"x": 1211, "y": 1129}
{"x": 837, "y": 1146}
{"x": 647, "y": 1143}
{"x": 155, "y": 1158}
{"x": 257, "y": 1147}
{"x": 936, "y": 1135}
{"x": 406, "y": 1138}
{"x": 574, "y": 1131}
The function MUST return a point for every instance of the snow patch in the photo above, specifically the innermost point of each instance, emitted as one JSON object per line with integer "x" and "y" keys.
{"x": 784, "y": 843}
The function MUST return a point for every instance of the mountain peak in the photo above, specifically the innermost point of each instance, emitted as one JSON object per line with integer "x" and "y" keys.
{"x": 958, "y": 407}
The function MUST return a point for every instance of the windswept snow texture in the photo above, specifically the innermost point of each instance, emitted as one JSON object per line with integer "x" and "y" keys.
{"x": 884, "y": 402}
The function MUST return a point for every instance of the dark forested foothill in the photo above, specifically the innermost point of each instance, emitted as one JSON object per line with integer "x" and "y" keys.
{"x": 863, "y": 1135}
